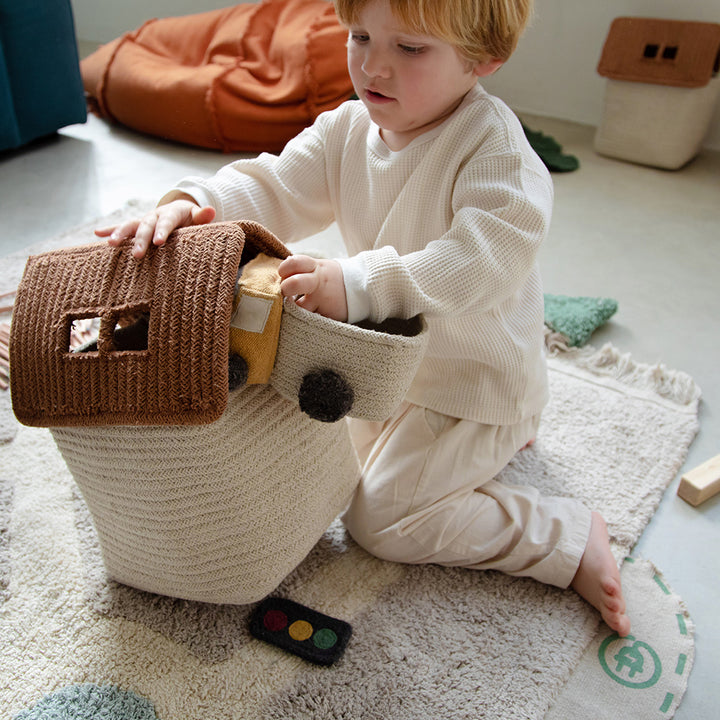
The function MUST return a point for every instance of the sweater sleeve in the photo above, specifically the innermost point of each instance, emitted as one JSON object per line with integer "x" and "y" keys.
{"x": 501, "y": 210}
{"x": 287, "y": 193}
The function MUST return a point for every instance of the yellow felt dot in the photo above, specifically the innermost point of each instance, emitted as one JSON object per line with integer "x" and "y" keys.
{"x": 300, "y": 630}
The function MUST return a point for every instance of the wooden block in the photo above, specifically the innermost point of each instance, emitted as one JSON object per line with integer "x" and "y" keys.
{"x": 701, "y": 483}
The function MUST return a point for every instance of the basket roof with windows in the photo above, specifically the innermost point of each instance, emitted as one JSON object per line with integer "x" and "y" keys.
{"x": 664, "y": 52}
{"x": 178, "y": 374}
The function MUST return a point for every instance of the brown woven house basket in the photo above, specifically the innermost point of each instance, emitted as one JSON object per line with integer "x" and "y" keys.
{"x": 662, "y": 86}
{"x": 195, "y": 491}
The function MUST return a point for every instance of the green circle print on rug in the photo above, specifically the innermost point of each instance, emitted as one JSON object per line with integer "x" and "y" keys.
{"x": 90, "y": 702}
{"x": 642, "y": 676}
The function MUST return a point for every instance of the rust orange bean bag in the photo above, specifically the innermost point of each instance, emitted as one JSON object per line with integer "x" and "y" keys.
{"x": 245, "y": 78}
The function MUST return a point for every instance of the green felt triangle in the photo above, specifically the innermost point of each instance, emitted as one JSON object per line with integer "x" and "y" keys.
{"x": 577, "y": 317}
{"x": 550, "y": 152}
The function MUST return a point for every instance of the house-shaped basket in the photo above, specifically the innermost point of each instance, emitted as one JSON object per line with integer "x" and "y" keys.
{"x": 196, "y": 491}
{"x": 661, "y": 90}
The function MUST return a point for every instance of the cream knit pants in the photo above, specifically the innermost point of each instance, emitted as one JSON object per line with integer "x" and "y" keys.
{"x": 428, "y": 495}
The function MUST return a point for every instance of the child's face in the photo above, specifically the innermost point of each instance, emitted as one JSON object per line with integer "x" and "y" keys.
{"x": 409, "y": 83}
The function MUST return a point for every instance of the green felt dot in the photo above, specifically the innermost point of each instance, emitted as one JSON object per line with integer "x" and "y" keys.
{"x": 324, "y": 639}
{"x": 89, "y": 702}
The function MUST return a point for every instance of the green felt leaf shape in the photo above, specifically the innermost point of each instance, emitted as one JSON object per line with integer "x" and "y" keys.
{"x": 577, "y": 318}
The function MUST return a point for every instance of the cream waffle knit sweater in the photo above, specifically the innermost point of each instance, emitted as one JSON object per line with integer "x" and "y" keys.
{"x": 450, "y": 227}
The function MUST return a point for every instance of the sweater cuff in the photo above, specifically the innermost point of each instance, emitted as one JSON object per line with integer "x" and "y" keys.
{"x": 355, "y": 276}
{"x": 201, "y": 196}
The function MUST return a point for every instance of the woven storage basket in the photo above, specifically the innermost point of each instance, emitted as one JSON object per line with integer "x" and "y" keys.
{"x": 661, "y": 90}
{"x": 196, "y": 492}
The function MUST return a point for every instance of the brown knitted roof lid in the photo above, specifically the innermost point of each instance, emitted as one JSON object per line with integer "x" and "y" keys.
{"x": 178, "y": 375}
{"x": 664, "y": 52}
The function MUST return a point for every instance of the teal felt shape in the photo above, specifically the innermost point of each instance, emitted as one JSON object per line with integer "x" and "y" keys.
{"x": 90, "y": 702}
{"x": 577, "y": 318}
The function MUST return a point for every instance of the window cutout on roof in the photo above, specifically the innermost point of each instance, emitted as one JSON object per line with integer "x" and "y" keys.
{"x": 83, "y": 334}
{"x": 651, "y": 50}
{"x": 669, "y": 52}
{"x": 121, "y": 331}
{"x": 131, "y": 332}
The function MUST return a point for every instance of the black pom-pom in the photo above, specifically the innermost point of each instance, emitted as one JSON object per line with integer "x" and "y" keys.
{"x": 324, "y": 395}
{"x": 237, "y": 372}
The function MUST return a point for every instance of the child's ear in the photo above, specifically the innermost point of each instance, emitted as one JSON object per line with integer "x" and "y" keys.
{"x": 484, "y": 69}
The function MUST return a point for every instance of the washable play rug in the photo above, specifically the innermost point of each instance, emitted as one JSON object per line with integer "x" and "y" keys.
{"x": 427, "y": 642}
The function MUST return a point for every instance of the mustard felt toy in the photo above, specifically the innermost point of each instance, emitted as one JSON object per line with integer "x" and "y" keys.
{"x": 257, "y": 310}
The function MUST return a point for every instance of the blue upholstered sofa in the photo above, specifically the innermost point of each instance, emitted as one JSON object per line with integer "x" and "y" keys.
{"x": 40, "y": 85}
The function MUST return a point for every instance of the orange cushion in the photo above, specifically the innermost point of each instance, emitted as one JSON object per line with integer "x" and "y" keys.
{"x": 245, "y": 78}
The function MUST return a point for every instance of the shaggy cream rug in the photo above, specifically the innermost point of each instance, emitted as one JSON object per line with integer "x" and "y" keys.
{"x": 427, "y": 642}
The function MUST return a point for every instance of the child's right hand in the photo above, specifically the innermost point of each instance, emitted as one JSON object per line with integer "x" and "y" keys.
{"x": 157, "y": 225}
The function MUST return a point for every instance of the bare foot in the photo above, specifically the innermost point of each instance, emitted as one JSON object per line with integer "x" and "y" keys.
{"x": 598, "y": 578}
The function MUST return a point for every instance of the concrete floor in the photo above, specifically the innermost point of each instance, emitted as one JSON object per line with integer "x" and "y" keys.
{"x": 648, "y": 238}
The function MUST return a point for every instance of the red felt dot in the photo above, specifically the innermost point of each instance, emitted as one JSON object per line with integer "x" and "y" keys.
{"x": 275, "y": 620}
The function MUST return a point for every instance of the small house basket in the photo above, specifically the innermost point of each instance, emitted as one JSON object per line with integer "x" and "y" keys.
{"x": 661, "y": 90}
{"x": 196, "y": 491}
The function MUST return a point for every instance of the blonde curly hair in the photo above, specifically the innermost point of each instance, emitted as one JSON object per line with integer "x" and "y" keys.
{"x": 481, "y": 30}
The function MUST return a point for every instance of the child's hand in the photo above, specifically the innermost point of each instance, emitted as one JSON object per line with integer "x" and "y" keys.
{"x": 316, "y": 285}
{"x": 157, "y": 225}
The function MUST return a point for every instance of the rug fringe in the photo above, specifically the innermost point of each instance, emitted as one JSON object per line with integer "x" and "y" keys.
{"x": 555, "y": 341}
{"x": 674, "y": 385}
{"x": 4, "y": 356}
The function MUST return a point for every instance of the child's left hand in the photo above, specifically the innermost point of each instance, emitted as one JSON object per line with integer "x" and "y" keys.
{"x": 316, "y": 285}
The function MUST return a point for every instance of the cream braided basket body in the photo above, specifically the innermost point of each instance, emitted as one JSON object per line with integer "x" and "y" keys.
{"x": 217, "y": 513}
